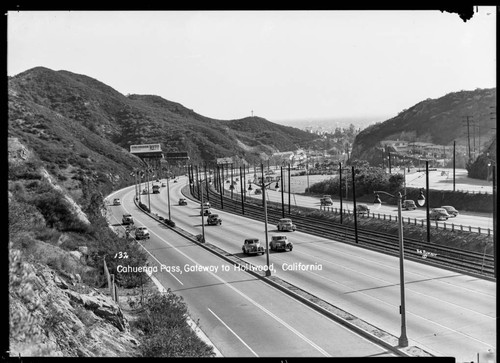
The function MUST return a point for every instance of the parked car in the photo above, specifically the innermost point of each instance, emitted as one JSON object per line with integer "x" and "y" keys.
{"x": 280, "y": 242}
{"x": 141, "y": 233}
{"x": 451, "y": 210}
{"x": 252, "y": 246}
{"x": 438, "y": 214}
{"x": 285, "y": 224}
{"x": 409, "y": 205}
{"x": 214, "y": 219}
{"x": 182, "y": 201}
{"x": 117, "y": 201}
{"x": 205, "y": 212}
{"x": 127, "y": 219}
{"x": 362, "y": 209}
{"x": 326, "y": 201}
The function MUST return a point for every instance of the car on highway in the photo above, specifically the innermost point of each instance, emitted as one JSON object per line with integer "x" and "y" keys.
{"x": 144, "y": 191}
{"x": 214, "y": 219}
{"x": 409, "y": 204}
{"x": 206, "y": 205}
{"x": 127, "y": 219}
{"x": 141, "y": 233}
{"x": 285, "y": 224}
{"x": 163, "y": 184}
{"x": 182, "y": 201}
{"x": 258, "y": 191}
{"x": 438, "y": 214}
{"x": 252, "y": 246}
{"x": 205, "y": 212}
{"x": 280, "y": 242}
{"x": 117, "y": 201}
{"x": 362, "y": 209}
{"x": 326, "y": 201}
{"x": 451, "y": 210}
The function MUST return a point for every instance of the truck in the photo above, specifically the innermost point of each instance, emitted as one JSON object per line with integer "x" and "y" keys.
{"x": 156, "y": 188}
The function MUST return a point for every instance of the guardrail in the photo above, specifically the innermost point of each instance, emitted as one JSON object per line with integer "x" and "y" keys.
{"x": 413, "y": 221}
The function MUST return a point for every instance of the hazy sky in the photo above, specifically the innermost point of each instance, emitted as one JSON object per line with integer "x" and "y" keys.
{"x": 277, "y": 64}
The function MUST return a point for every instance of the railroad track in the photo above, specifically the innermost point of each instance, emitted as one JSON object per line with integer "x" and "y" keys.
{"x": 416, "y": 250}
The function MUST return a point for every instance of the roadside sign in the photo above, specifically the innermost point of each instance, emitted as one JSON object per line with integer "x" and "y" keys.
{"x": 224, "y": 160}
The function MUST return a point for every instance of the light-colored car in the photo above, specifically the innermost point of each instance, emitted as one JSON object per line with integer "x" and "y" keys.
{"x": 362, "y": 209}
{"x": 206, "y": 205}
{"x": 285, "y": 224}
{"x": 438, "y": 214}
{"x": 326, "y": 201}
{"x": 451, "y": 210}
{"x": 409, "y": 205}
{"x": 117, "y": 201}
{"x": 127, "y": 219}
{"x": 141, "y": 233}
{"x": 252, "y": 246}
{"x": 280, "y": 242}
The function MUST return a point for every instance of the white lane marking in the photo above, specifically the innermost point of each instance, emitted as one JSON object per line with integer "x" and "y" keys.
{"x": 236, "y": 335}
{"x": 293, "y": 330}
{"x": 140, "y": 244}
{"x": 407, "y": 289}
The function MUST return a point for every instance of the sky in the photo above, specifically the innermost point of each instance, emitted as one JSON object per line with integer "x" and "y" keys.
{"x": 279, "y": 65}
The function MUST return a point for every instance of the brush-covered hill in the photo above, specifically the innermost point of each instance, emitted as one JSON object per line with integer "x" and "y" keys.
{"x": 439, "y": 121}
{"x": 72, "y": 120}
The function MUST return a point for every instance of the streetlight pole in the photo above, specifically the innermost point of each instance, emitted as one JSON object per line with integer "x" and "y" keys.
{"x": 282, "y": 194}
{"x": 403, "y": 339}
{"x": 354, "y": 205}
{"x": 340, "y": 192}
{"x": 427, "y": 197}
{"x": 268, "y": 271}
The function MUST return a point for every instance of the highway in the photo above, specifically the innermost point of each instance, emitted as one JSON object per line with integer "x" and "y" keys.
{"x": 242, "y": 315}
{"x": 448, "y": 314}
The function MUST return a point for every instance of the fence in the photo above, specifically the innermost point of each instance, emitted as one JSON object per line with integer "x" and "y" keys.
{"x": 414, "y": 221}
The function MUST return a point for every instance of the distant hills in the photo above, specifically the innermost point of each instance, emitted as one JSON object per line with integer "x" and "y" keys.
{"x": 458, "y": 116}
{"x": 77, "y": 124}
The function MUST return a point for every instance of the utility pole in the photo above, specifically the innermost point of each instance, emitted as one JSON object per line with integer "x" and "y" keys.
{"x": 468, "y": 134}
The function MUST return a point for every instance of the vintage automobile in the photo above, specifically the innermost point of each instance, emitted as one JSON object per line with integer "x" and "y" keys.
{"x": 439, "y": 214}
{"x": 163, "y": 184}
{"x": 214, "y": 219}
{"x": 451, "y": 210}
{"x": 141, "y": 233}
{"x": 144, "y": 191}
{"x": 409, "y": 204}
{"x": 206, "y": 205}
{"x": 117, "y": 201}
{"x": 252, "y": 246}
{"x": 127, "y": 219}
{"x": 182, "y": 201}
{"x": 285, "y": 224}
{"x": 258, "y": 191}
{"x": 280, "y": 242}
{"x": 362, "y": 209}
{"x": 205, "y": 212}
{"x": 326, "y": 201}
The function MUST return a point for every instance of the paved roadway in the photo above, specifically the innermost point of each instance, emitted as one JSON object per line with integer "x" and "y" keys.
{"x": 482, "y": 220}
{"x": 448, "y": 314}
{"x": 241, "y": 315}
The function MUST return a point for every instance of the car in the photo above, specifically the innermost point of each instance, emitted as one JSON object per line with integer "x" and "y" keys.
{"x": 163, "y": 184}
{"x": 451, "y": 210}
{"x": 127, "y": 219}
{"x": 206, "y": 205}
{"x": 285, "y": 224}
{"x": 439, "y": 214}
{"x": 205, "y": 212}
{"x": 326, "y": 201}
{"x": 214, "y": 219}
{"x": 252, "y": 246}
{"x": 182, "y": 201}
{"x": 280, "y": 242}
{"x": 409, "y": 204}
{"x": 258, "y": 191}
{"x": 362, "y": 209}
{"x": 175, "y": 180}
{"x": 141, "y": 233}
{"x": 117, "y": 201}
{"x": 144, "y": 191}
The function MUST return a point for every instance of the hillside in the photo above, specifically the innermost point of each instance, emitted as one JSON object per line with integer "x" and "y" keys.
{"x": 62, "y": 116}
{"x": 438, "y": 121}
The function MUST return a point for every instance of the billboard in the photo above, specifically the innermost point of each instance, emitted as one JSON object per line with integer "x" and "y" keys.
{"x": 224, "y": 160}
{"x": 145, "y": 148}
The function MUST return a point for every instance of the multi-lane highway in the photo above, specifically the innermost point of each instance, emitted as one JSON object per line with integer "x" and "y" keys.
{"x": 241, "y": 315}
{"x": 447, "y": 313}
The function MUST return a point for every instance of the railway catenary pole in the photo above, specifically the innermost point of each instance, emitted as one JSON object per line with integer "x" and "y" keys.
{"x": 289, "y": 187}
{"x": 355, "y": 209}
{"x": 427, "y": 200}
{"x": 340, "y": 192}
{"x": 242, "y": 194}
{"x": 282, "y": 193}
